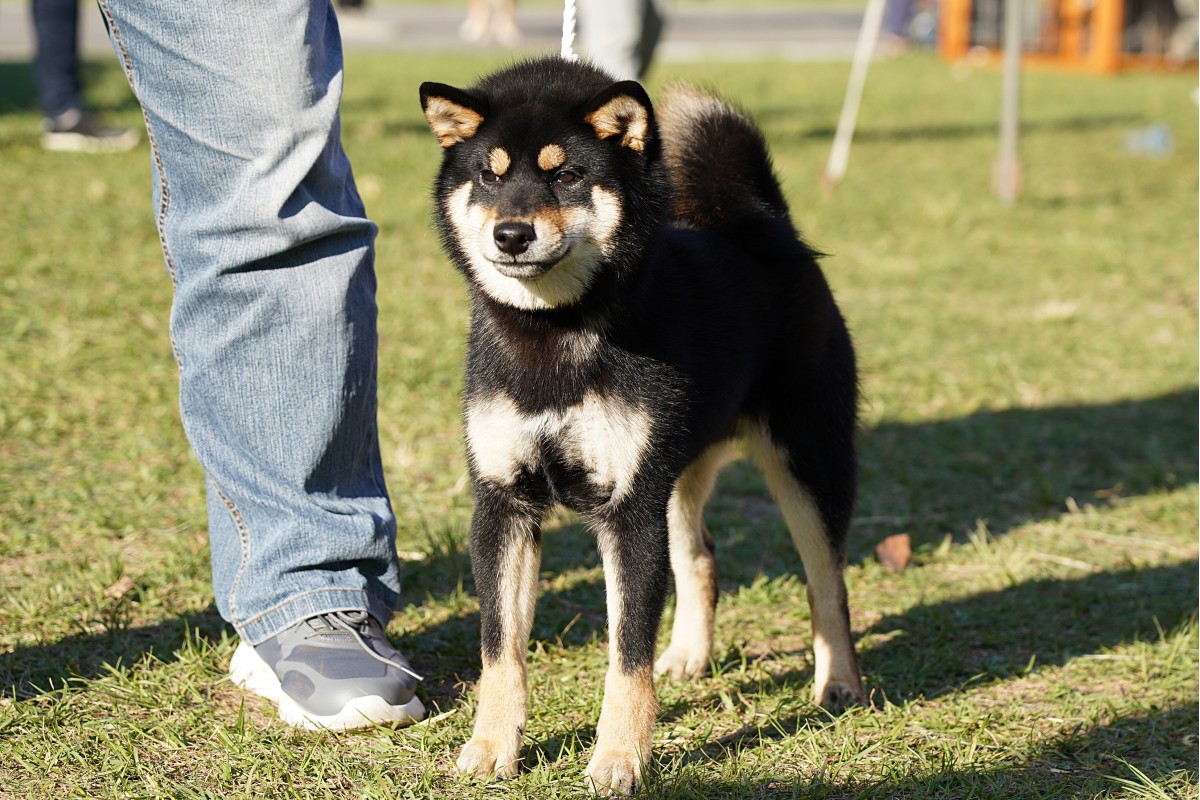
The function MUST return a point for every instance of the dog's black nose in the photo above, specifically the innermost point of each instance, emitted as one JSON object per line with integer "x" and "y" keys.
{"x": 513, "y": 237}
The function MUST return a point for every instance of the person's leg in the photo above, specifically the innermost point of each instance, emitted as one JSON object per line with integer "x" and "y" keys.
{"x": 652, "y": 30}
{"x": 273, "y": 325}
{"x": 56, "y": 61}
{"x": 274, "y": 315}
{"x": 896, "y": 17}
{"x": 620, "y": 36}
{"x": 68, "y": 124}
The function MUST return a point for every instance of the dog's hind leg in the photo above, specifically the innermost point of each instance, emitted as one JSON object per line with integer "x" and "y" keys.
{"x": 505, "y": 556}
{"x": 694, "y": 564}
{"x": 635, "y": 577}
{"x": 818, "y": 528}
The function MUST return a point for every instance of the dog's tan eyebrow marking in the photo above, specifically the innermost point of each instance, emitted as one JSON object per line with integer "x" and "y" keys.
{"x": 551, "y": 157}
{"x": 499, "y": 160}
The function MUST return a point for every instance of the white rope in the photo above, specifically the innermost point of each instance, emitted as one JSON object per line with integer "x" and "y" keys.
{"x": 568, "y": 35}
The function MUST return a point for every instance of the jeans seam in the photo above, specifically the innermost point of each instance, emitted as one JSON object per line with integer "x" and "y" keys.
{"x": 164, "y": 190}
{"x": 239, "y": 523}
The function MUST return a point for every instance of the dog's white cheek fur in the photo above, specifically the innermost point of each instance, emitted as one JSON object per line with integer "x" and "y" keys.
{"x": 589, "y": 230}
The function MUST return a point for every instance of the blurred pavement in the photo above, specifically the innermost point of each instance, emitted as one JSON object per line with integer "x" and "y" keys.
{"x": 804, "y": 33}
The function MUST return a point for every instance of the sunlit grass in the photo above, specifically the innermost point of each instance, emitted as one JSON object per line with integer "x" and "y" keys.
{"x": 1030, "y": 420}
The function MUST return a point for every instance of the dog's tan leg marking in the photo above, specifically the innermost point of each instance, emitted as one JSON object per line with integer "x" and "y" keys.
{"x": 695, "y": 568}
{"x": 630, "y": 706}
{"x": 495, "y": 745}
{"x": 837, "y": 681}
{"x": 623, "y": 735}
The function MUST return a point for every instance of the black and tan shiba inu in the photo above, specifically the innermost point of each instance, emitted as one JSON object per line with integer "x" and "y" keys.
{"x": 640, "y": 303}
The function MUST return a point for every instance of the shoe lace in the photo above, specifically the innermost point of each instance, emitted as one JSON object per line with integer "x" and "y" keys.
{"x": 356, "y": 624}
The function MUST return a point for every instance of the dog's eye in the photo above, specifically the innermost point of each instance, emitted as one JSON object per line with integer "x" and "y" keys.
{"x": 487, "y": 176}
{"x": 565, "y": 176}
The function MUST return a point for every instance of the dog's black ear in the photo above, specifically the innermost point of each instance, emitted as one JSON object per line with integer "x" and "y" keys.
{"x": 454, "y": 114}
{"x": 624, "y": 110}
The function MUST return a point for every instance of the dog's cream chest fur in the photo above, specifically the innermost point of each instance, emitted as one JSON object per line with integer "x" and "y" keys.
{"x": 604, "y": 436}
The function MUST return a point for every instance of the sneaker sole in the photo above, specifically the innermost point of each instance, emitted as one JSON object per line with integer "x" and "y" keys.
{"x": 248, "y": 671}
{"x": 61, "y": 142}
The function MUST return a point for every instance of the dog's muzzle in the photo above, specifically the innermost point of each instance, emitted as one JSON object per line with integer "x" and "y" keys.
{"x": 514, "y": 239}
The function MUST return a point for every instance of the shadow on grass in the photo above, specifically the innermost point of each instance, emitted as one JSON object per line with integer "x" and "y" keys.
{"x": 1011, "y": 467}
{"x": 998, "y": 635}
{"x": 950, "y": 131}
{"x": 1002, "y": 468}
{"x": 1081, "y": 764}
{"x": 991, "y": 637}
{"x": 1008, "y": 467}
{"x": 986, "y": 638}
{"x": 927, "y": 651}
{"x": 29, "y": 671}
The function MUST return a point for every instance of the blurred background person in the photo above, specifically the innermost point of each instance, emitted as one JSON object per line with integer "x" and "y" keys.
{"x": 488, "y": 18}
{"x": 897, "y": 15}
{"x": 621, "y": 35}
{"x": 69, "y": 125}
{"x": 1182, "y": 44}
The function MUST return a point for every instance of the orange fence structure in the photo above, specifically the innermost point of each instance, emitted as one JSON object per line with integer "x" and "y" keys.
{"x": 1080, "y": 34}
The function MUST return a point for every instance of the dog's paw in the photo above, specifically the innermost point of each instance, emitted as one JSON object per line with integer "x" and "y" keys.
{"x": 483, "y": 758}
{"x": 614, "y": 771}
{"x": 838, "y": 696}
{"x": 679, "y": 663}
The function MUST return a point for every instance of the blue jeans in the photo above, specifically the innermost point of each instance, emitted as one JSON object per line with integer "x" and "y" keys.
{"x": 273, "y": 321}
{"x": 56, "y": 63}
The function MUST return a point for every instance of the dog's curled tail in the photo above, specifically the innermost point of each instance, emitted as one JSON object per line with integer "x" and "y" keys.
{"x": 717, "y": 161}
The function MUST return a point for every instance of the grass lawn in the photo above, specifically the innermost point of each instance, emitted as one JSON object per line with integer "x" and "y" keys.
{"x": 1030, "y": 420}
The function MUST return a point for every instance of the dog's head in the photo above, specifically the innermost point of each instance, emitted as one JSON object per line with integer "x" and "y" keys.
{"x": 547, "y": 177}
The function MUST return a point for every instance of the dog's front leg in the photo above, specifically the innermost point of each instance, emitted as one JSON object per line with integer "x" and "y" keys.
{"x": 505, "y": 556}
{"x": 635, "y": 580}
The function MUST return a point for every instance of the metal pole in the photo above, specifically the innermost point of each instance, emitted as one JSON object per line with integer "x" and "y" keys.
{"x": 868, "y": 37}
{"x": 1008, "y": 166}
